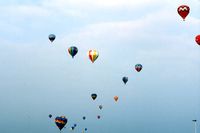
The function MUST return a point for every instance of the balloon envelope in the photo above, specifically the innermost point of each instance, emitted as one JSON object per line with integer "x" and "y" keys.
{"x": 183, "y": 11}
{"x": 100, "y": 106}
{"x": 72, "y": 128}
{"x": 52, "y": 37}
{"x": 50, "y": 115}
{"x": 93, "y": 55}
{"x": 61, "y": 121}
{"x": 73, "y": 51}
{"x": 116, "y": 98}
{"x": 84, "y": 117}
{"x": 138, "y": 67}
{"x": 125, "y": 79}
{"x": 94, "y": 96}
{"x": 197, "y": 39}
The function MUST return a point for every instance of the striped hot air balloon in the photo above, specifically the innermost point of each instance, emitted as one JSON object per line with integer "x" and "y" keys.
{"x": 93, "y": 55}
{"x": 73, "y": 51}
{"x": 61, "y": 121}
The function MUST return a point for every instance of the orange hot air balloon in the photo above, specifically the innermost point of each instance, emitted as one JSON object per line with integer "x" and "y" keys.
{"x": 116, "y": 98}
{"x": 93, "y": 55}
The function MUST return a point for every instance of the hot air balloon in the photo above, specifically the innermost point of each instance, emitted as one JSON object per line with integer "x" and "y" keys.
{"x": 72, "y": 128}
{"x": 116, "y": 98}
{"x": 84, "y": 117}
{"x": 183, "y": 11}
{"x": 93, "y": 55}
{"x": 94, "y": 96}
{"x": 85, "y": 129}
{"x": 75, "y": 125}
{"x": 73, "y": 51}
{"x": 138, "y": 67}
{"x": 52, "y": 37}
{"x": 50, "y": 115}
{"x": 61, "y": 122}
{"x": 125, "y": 79}
{"x": 197, "y": 39}
{"x": 98, "y": 116}
{"x": 100, "y": 106}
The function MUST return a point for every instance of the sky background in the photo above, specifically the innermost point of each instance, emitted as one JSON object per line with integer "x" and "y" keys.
{"x": 39, "y": 78}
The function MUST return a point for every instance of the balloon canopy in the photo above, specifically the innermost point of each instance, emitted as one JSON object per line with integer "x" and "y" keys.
{"x": 60, "y": 121}
{"x": 93, "y": 55}
{"x": 197, "y": 39}
{"x": 138, "y": 67}
{"x": 73, "y": 51}
{"x": 183, "y": 11}
{"x": 125, "y": 80}
{"x": 94, "y": 96}
{"x": 50, "y": 115}
{"x": 116, "y": 98}
{"x": 52, "y": 37}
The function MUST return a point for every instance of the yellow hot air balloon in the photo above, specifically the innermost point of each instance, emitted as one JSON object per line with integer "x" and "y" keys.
{"x": 93, "y": 55}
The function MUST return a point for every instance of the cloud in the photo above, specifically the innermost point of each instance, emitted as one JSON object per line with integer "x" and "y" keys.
{"x": 98, "y": 3}
{"x": 151, "y": 38}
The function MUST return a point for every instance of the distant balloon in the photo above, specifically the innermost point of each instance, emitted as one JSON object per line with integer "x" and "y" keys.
{"x": 100, "y": 106}
{"x": 61, "y": 122}
{"x": 138, "y": 67}
{"x": 125, "y": 79}
{"x": 183, "y": 11}
{"x": 52, "y": 37}
{"x": 197, "y": 39}
{"x": 94, "y": 96}
{"x": 93, "y": 55}
{"x": 98, "y": 116}
{"x": 84, "y": 117}
{"x": 72, "y": 128}
{"x": 116, "y": 98}
{"x": 75, "y": 125}
{"x": 73, "y": 51}
{"x": 85, "y": 129}
{"x": 50, "y": 115}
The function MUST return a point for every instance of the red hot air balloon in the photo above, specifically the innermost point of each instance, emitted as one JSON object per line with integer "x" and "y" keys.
{"x": 183, "y": 11}
{"x": 197, "y": 39}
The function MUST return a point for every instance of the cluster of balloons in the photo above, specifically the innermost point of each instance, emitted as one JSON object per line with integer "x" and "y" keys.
{"x": 183, "y": 11}
{"x": 73, "y": 127}
{"x": 138, "y": 68}
{"x": 92, "y": 54}
{"x": 61, "y": 121}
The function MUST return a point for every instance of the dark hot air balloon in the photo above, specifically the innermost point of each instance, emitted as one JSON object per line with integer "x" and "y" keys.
{"x": 138, "y": 67}
{"x": 94, "y": 96}
{"x": 100, "y": 106}
{"x": 50, "y": 115}
{"x": 73, "y": 51}
{"x": 61, "y": 121}
{"x": 52, "y": 37}
{"x": 125, "y": 80}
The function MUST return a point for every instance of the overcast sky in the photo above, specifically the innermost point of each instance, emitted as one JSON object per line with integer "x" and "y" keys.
{"x": 39, "y": 78}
